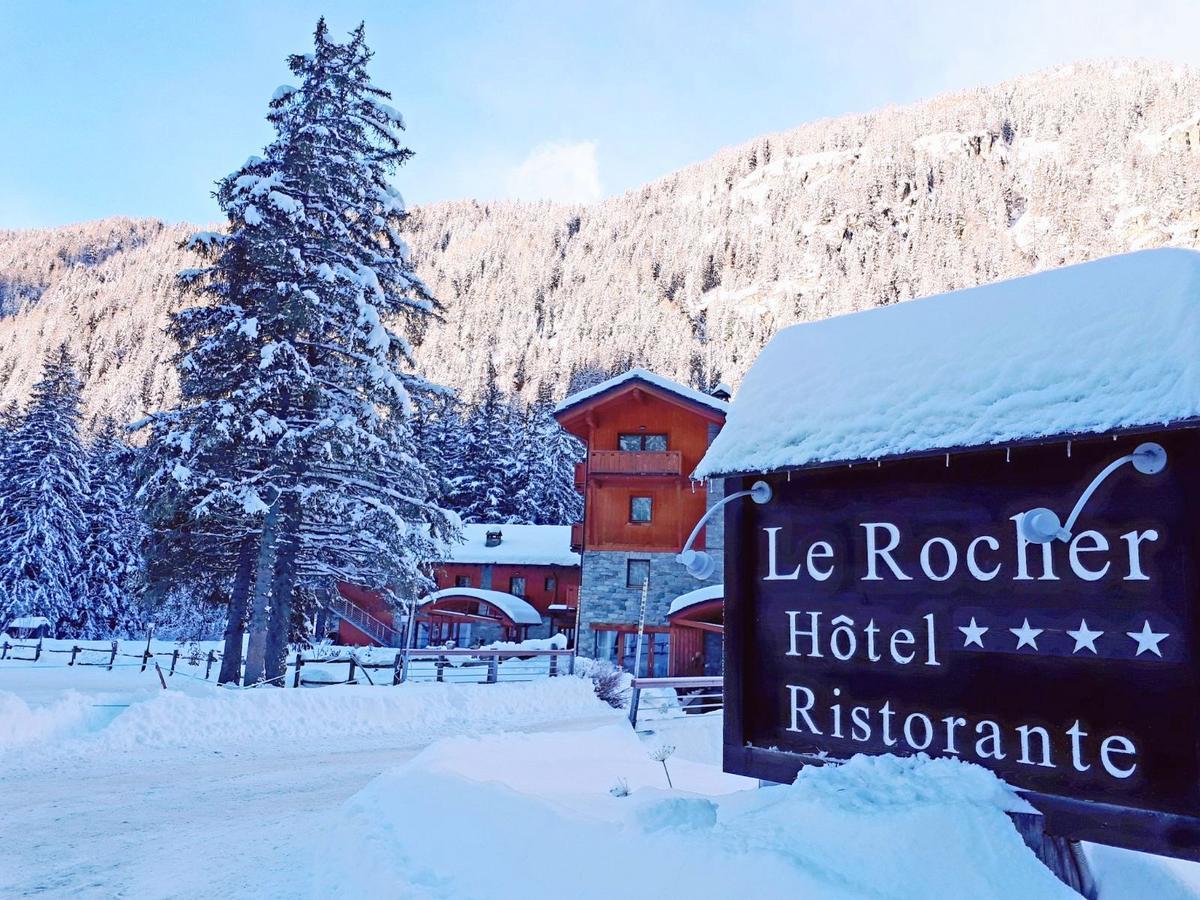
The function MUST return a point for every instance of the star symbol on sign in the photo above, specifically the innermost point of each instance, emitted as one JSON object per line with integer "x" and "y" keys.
{"x": 1147, "y": 639}
{"x": 1084, "y": 637}
{"x": 1026, "y": 636}
{"x": 973, "y": 634}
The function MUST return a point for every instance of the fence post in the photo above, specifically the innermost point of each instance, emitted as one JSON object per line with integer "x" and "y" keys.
{"x": 74, "y": 653}
{"x": 493, "y": 668}
{"x": 208, "y": 665}
{"x": 174, "y": 660}
{"x": 634, "y": 699}
{"x": 553, "y": 665}
{"x": 4, "y": 653}
{"x": 398, "y": 670}
{"x": 146, "y": 654}
{"x": 113, "y": 658}
{"x": 299, "y": 666}
{"x": 350, "y": 680}
{"x": 441, "y": 668}
{"x": 161, "y": 679}
{"x": 37, "y": 654}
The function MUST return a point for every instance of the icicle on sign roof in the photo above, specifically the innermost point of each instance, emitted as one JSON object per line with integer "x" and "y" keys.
{"x": 1086, "y": 349}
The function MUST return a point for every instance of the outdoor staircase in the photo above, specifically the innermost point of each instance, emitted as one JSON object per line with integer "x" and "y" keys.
{"x": 378, "y": 631}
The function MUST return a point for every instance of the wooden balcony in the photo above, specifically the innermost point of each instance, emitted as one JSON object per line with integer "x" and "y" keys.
{"x": 577, "y": 537}
{"x": 629, "y": 462}
{"x": 580, "y": 476}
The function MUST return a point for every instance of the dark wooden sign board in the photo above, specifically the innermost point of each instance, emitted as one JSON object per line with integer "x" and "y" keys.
{"x": 892, "y": 608}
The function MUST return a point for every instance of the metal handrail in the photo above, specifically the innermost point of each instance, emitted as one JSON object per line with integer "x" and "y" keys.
{"x": 679, "y": 682}
{"x": 380, "y": 631}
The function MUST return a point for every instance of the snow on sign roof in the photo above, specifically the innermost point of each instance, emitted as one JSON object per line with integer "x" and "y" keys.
{"x": 696, "y": 597}
{"x": 517, "y": 610}
{"x": 530, "y": 545}
{"x": 647, "y": 377}
{"x": 1089, "y": 348}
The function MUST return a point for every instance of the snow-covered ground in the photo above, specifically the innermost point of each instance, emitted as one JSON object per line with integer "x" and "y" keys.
{"x": 114, "y": 788}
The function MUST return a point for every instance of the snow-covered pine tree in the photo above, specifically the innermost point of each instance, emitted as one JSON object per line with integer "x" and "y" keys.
{"x": 311, "y": 269}
{"x": 114, "y": 567}
{"x": 200, "y": 551}
{"x": 548, "y": 496}
{"x": 439, "y": 438}
{"x": 484, "y": 491}
{"x": 44, "y": 491}
{"x": 10, "y": 421}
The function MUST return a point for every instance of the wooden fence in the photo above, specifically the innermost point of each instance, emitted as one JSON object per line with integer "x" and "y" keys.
{"x": 430, "y": 664}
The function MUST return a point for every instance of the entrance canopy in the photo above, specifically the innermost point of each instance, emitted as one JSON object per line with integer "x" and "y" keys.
{"x": 479, "y": 603}
{"x": 698, "y": 608}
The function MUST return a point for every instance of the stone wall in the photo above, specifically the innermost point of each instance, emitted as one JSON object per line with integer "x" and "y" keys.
{"x": 605, "y": 598}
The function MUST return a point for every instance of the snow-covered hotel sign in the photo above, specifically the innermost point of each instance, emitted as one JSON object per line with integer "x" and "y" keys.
{"x": 982, "y": 542}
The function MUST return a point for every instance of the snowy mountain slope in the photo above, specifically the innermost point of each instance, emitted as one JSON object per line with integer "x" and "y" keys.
{"x": 694, "y": 272}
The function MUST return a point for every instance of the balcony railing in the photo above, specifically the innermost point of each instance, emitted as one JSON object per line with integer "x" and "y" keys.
{"x": 636, "y": 462}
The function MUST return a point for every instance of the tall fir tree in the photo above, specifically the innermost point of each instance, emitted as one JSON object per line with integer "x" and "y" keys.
{"x": 307, "y": 402}
{"x": 43, "y": 497}
{"x": 439, "y": 437}
{"x": 547, "y": 495}
{"x": 114, "y": 567}
{"x": 483, "y": 492}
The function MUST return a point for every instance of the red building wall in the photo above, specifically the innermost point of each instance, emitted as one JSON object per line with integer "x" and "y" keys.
{"x": 565, "y": 591}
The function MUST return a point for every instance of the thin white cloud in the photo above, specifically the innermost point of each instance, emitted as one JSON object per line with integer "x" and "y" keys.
{"x": 564, "y": 172}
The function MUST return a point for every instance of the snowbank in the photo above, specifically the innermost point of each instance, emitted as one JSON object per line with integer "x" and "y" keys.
{"x": 555, "y": 642}
{"x": 270, "y": 718}
{"x": 541, "y": 805}
{"x": 69, "y": 715}
{"x": 1083, "y": 349}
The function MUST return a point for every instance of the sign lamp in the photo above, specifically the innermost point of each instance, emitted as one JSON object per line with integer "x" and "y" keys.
{"x": 1042, "y": 525}
{"x": 700, "y": 564}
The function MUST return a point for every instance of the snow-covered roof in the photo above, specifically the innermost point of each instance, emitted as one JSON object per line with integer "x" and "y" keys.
{"x": 28, "y": 622}
{"x": 693, "y": 598}
{"x": 518, "y": 611}
{"x": 1089, "y": 348}
{"x": 530, "y": 545}
{"x": 647, "y": 377}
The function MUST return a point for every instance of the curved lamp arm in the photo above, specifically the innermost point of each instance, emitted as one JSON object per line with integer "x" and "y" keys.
{"x": 700, "y": 564}
{"x": 1042, "y": 525}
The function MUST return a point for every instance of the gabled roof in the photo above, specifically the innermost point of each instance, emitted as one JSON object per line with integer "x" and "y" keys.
{"x": 648, "y": 379}
{"x": 1106, "y": 345}
{"x": 518, "y": 611}
{"x": 529, "y": 545}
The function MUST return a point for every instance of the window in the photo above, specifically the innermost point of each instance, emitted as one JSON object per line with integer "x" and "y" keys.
{"x": 551, "y": 584}
{"x": 462, "y": 580}
{"x": 516, "y": 585}
{"x": 618, "y": 644}
{"x": 637, "y": 572}
{"x": 641, "y": 510}
{"x": 642, "y": 442}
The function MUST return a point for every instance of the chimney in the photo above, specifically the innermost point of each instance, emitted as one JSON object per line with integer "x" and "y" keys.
{"x": 722, "y": 391}
{"x": 493, "y": 538}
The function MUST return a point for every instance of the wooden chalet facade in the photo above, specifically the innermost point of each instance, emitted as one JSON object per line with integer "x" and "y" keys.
{"x": 644, "y": 436}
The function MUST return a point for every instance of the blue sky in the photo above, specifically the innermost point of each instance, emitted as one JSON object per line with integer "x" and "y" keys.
{"x": 135, "y": 108}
